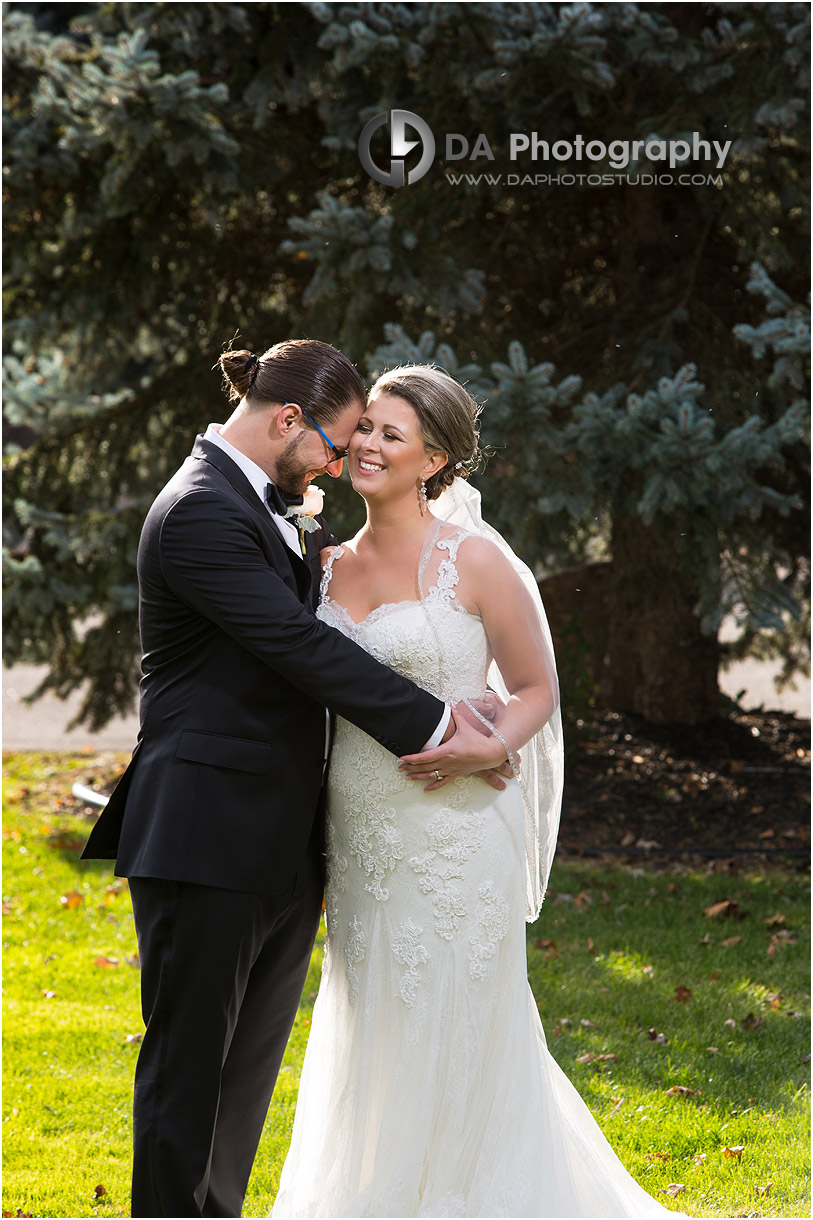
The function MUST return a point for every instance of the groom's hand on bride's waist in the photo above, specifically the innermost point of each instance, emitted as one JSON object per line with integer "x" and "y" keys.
{"x": 491, "y": 707}
{"x": 469, "y": 751}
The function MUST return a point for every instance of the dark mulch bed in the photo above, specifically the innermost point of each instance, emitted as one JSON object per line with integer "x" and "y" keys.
{"x": 739, "y": 782}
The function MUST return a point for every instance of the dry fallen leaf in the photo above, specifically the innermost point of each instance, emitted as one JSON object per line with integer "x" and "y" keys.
{"x": 720, "y": 910}
{"x": 591, "y": 948}
{"x": 780, "y": 939}
{"x": 731, "y": 940}
{"x": 48, "y": 995}
{"x": 658, "y": 1156}
{"x": 752, "y": 1022}
{"x": 775, "y": 921}
{"x": 736, "y": 1151}
{"x": 674, "y": 1188}
{"x": 713, "y": 1050}
{"x": 585, "y": 1024}
{"x": 133, "y": 1038}
{"x": 72, "y": 899}
{"x": 107, "y": 963}
{"x": 99, "y": 1191}
{"x": 730, "y": 1023}
{"x": 699, "y": 1160}
{"x": 683, "y": 994}
{"x": 681, "y": 1090}
{"x": 548, "y": 947}
{"x": 764, "y": 1190}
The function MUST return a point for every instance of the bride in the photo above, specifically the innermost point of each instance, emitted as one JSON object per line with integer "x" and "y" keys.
{"x": 427, "y": 1087}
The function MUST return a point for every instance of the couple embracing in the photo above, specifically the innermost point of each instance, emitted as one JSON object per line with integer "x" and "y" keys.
{"x": 427, "y": 1088}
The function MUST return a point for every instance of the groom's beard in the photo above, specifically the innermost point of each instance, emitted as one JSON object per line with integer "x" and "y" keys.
{"x": 291, "y": 474}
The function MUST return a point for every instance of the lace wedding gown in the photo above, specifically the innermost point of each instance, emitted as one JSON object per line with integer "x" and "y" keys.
{"x": 428, "y": 1088}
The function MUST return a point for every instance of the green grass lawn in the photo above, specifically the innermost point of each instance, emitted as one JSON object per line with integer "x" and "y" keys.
{"x": 705, "y": 1018}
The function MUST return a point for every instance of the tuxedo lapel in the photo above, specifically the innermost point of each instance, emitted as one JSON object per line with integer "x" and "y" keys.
{"x": 314, "y": 544}
{"x": 205, "y": 451}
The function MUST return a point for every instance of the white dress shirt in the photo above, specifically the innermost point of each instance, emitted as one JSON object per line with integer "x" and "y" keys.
{"x": 259, "y": 480}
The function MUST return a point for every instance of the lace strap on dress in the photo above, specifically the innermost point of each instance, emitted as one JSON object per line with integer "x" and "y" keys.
{"x": 327, "y": 571}
{"x": 443, "y": 590}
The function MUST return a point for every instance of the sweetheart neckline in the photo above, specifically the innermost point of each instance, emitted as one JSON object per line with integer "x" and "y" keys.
{"x": 376, "y": 612}
{"x": 455, "y": 607}
{"x": 383, "y": 606}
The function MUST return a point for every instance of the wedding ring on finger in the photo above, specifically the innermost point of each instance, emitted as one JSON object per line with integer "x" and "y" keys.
{"x": 438, "y": 776}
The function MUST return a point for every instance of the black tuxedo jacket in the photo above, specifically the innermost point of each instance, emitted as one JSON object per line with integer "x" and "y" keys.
{"x": 225, "y": 779}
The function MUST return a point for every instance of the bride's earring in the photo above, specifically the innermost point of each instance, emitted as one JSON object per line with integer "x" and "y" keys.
{"x": 422, "y": 496}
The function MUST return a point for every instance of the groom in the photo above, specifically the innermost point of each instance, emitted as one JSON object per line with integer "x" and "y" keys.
{"x": 217, "y": 820}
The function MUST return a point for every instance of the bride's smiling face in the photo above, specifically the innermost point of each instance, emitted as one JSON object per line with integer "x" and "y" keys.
{"x": 387, "y": 453}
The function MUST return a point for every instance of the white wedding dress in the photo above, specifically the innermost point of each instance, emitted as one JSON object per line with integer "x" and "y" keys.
{"x": 428, "y": 1088}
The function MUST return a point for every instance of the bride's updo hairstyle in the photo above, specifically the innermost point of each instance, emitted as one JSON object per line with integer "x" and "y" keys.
{"x": 447, "y": 416}
{"x": 314, "y": 375}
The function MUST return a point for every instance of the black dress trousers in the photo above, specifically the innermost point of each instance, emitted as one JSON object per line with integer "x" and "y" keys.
{"x": 222, "y": 975}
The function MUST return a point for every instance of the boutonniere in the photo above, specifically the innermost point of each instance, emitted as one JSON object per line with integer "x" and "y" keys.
{"x": 304, "y": 513}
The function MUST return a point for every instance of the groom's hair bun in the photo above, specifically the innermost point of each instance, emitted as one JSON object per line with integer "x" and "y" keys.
{"x": 314, "y": 375}
{"x": 448, "y": 418}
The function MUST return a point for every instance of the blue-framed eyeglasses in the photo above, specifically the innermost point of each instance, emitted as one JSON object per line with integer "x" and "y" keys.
{"x": 338, "y": 454}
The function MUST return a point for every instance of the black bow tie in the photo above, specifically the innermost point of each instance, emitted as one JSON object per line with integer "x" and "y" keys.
{"x": 280, "y": 501}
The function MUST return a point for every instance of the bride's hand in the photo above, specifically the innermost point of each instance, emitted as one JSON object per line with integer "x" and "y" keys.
{"x": 469, "y": 752}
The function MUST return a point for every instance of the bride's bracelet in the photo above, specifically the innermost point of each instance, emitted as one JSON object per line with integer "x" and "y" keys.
{"x": 492, "y": 728}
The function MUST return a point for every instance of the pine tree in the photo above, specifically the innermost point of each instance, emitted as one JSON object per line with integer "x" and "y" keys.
{"x": 685, "y": 505}
{"x": 175, "y": 173}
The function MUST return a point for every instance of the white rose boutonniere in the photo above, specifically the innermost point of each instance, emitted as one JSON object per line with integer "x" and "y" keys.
{"x": 304, "y": 513}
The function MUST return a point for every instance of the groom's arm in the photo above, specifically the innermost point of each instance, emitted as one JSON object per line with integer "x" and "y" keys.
{"x": 211, "y": 557}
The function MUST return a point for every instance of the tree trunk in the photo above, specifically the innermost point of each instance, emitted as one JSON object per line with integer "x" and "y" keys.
{"x": 658, "y": 663}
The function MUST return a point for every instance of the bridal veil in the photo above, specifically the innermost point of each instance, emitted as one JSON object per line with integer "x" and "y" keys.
{"x": 541, "y": 771}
